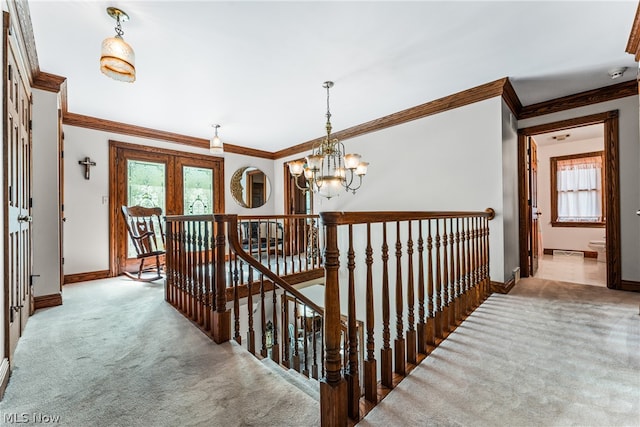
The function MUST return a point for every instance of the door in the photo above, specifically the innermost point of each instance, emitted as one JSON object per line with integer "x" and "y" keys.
{"x": 178, "y": 183}
{"x": 534, "y": 214}
{"x": 17, "y": 195}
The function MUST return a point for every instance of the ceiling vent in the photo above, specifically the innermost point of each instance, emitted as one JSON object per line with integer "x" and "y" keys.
{"x": 617, "y": 72}
{"x": 561, "y": 137}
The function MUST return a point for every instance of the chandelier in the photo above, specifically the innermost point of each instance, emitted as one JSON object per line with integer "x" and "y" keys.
{"x": 328, "y": 169}
{"x": 118, "y": 59}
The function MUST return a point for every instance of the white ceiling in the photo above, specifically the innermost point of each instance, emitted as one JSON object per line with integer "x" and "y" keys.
{"x": 578, "y": 134}
{"x": 257, "y": 68}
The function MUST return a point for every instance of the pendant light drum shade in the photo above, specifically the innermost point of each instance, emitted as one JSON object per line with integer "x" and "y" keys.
{"x": 118, "y": 60}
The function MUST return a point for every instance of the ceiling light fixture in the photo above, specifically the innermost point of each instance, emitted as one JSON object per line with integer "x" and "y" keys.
{"x": 328, "y": 169}
{"x": 117, "y": 59}
{"x": 561, "y": 137}
{"x": 617, "y": 72}
{"x": 215, "y": 145}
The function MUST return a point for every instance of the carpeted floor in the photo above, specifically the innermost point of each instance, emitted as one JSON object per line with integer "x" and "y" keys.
{"x": 548, "y": 354}
{"x": 115, "y": 354}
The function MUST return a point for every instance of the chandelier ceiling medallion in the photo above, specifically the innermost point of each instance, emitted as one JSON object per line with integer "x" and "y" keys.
{"x": 328, "y": 169}
{"x": 118, "y": 59}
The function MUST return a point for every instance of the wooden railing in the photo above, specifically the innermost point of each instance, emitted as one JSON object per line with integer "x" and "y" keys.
{"x": 440, "y": 275}
{"x": 218, "y": 267}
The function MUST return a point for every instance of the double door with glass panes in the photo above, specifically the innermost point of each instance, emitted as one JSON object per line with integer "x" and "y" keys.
{"x": 178, "y": 183}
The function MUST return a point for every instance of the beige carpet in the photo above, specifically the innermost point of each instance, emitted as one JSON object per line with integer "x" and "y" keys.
{"x": 115, "y": 354}
{"x": 547, "y": 354}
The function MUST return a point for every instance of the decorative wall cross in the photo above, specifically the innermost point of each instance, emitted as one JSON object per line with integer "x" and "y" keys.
{"x": 87, "y": 163}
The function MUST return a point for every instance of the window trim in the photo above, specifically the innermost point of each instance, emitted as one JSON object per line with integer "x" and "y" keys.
{"x": 553, "y": 162}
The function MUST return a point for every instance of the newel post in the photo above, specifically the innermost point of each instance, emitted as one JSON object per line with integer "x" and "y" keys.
{"x": 333, "y": 387}
{"x": 221, "y": 322}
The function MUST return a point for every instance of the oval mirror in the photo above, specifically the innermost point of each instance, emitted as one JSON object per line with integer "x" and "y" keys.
{"x": 250, "y": 187}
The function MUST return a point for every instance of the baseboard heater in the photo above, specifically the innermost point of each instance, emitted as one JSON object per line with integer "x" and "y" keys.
{"x": 576, "y": 254}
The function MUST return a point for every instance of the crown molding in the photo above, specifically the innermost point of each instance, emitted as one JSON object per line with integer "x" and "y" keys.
{"x": 48, "y": 82}
{"x": 457, "y": 100}
{"x": 22, "y": 27}
{"x": 78, "y": 120}
{"x": 511, "y": 98}
{"x": 633, "y": 44}
{"x": 582, "y": 99}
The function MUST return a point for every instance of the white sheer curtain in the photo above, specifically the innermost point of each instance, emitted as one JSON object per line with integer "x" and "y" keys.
{"x": 580, "y": 189}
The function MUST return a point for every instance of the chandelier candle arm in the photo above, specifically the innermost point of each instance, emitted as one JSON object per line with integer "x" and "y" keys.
{"x": 328, "y": 168}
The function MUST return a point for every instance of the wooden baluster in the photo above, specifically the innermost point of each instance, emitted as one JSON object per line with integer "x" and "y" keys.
{"x": 486, "y": 257}
{"x": 483, "y": 255}
{"x": 446, "y": 327}
{"x": 431, "y": 334}
{"x": 286, "y": 335}
{"x": 221, "y": 317}
{"x": 370, "y": 365}
{"x": 453, "y": 297}
{"x": 251, "y": 335}
{"x": 322, "y": 374}
{"x": 263, "y": 318}
{"x": 236, "y": 298}
{"x": 437, "y": 287}
{"x": 275, "y": 349}
{"x": 201, "y": 268}
{"x": 351, "y": 375}
{"x": 411, "y": 332}
{"x": 168, "y": 262}
{"x": 459, "y": 289}
{"x": 300, "y": 232}
{"x": 386, "y": 358}
{"x": 400, "y": 366}
{"x": 333, "y": 388}
{"x": 474, "y": 263}
{"x": 189, "y": 307}
{"x": 305, "y": 346}
{"x": 295, "y": 357}
{"x": 465, "y": 252}
{"x": 314, "y": 331}
{"x": 207, "y": 277}
{"x": 422, "y": 328}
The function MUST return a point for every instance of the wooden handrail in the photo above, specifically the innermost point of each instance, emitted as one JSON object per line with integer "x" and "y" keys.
{"x": 343, "y": 218}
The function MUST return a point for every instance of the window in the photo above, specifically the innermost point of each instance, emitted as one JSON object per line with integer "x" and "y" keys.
{"x": 577, "y": 198}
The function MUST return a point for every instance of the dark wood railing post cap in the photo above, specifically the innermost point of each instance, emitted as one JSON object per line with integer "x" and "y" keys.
{"x": 491, "y": 212}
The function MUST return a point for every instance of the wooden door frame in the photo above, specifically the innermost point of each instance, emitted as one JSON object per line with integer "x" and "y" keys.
{"x": 612, "y": 188}
{"x": 174, "y": 159}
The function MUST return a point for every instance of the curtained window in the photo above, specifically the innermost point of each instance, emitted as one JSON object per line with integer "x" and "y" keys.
{"x": 576, "y": 188}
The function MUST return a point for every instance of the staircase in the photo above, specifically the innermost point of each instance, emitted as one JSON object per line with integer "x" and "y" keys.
{"x": 436, "y": 276}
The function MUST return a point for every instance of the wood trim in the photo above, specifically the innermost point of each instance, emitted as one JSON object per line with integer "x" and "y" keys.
{"x": 48, "y": 82}
{"x": 457, "y": 100}
{"x": 85, "y": 277}
{"x": 630, "y": 285}
{"x": 633, "y": 44}
{"x": 51, "y": 300}
{"x": 612, "y": 188}
{"x": 78, "y": 120}
{"x": 503, "y": 288}
{"x": 5, "y": 373}
{"x": 553, "y": 191}
{"x": 587, "y": 254}
{"x": 19, "y": 10}
{"x": 594, "y": 96}
{"x": 511, "y": 98}
{"x": 524, "y": 221}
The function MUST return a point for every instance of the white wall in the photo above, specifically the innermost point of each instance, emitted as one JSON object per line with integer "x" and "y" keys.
{"x": 447, "y": 161}
{"x": 45, "y": 226}
{"x": 629, "y": 172}
{"x": 570, "y": 238}
{"x": 86, "y": 232}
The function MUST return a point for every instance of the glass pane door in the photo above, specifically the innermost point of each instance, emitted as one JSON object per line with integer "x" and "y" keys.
{"x": 146, "y": 186}
{"x": 197, "y": 189}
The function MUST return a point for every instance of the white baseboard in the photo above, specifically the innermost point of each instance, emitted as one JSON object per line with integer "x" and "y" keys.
{"x": 5, "y": 371}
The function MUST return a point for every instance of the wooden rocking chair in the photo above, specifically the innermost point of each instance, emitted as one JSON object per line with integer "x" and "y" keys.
{"x": 145, "y": 229}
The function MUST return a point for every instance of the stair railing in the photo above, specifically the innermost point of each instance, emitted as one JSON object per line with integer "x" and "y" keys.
{"x": 447, "y": 278}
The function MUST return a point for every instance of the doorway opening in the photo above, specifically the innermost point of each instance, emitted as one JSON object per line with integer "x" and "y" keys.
{"x": 569, "y": 200}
